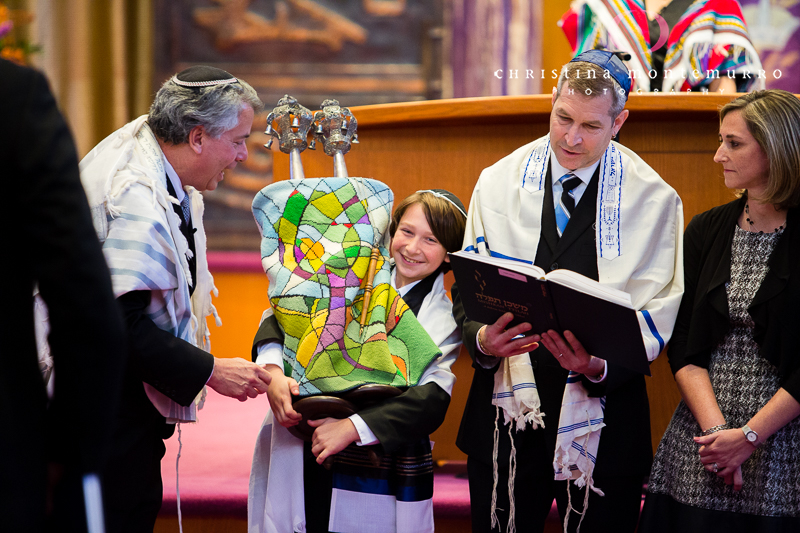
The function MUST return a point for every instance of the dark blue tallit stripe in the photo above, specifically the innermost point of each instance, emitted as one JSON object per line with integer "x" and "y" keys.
{"x": 583, "y": 452}
{"x": 572, "y": 427}
{"x": 150, "y": 284}
{"x": 498, "y": 254}
{"x": 143, "y": 247}
{"x": 653, "y": 329}
{"x": 159, "y": 227}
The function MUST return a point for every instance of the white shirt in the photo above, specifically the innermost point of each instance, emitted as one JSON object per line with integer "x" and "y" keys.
{"x": 176, "y": 180}
{"x": 585, "y": 175}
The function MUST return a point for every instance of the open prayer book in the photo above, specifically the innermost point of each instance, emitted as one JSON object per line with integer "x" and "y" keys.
{"x": 601, "y": 318}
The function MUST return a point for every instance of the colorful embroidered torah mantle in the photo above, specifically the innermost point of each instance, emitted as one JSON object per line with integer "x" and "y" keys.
{"x": 317, "y": 236}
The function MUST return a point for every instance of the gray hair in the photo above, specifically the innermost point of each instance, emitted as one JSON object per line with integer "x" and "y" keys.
{"x": 595, "y": 81}
{"x": 176, "y": 110}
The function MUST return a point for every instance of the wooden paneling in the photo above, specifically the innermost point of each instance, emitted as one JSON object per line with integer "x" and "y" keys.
{"x": 201, "y": 524}
{"x": 446, "y": 143}
{"x": 555, "y": 47}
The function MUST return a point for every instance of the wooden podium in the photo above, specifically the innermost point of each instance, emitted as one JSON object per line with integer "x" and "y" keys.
{"x": 446, "y": 143}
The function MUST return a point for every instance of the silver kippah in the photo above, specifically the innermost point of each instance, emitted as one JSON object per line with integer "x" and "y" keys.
{"x": 203, "y": 76}
{"x": 450, "y": 197}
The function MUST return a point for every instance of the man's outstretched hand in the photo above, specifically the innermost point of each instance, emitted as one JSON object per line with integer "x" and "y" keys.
{"x": 238, "y": 378}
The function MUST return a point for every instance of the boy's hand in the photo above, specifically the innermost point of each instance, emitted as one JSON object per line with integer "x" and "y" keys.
{"x": 331, "y": 436}
{"x": 280, "y": 393}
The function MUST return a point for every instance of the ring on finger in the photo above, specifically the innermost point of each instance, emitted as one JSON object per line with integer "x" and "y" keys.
{"x": 561, "y": 355}
{"x": 715, "y": 468}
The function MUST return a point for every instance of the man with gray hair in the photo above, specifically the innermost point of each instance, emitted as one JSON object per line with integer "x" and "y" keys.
{"x": 143, "y": 183}
{"x": 574, "y": 200}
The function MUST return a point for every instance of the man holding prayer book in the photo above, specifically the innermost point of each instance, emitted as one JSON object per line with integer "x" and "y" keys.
{"x": 542, "y": 411}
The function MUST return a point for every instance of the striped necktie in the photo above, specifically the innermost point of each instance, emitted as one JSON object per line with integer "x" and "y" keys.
{"x": 566, "y": 204}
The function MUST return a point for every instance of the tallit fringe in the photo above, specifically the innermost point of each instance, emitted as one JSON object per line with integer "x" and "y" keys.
{"x": 495, "y": 520}
{"x": 512, "y": 473}
{"x": 584, "y": 480}
{"x": 534, "y": 417}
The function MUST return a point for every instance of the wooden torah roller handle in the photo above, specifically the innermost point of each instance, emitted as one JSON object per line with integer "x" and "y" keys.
{"x": 370, "y": 394}
{"x": 316, "y": 407}
{"x": 349, "y": 403}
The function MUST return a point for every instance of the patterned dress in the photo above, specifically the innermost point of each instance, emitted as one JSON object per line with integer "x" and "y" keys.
{"x": 743, "y": 383}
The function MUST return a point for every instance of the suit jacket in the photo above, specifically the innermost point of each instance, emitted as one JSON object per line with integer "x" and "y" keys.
{"x": 49, "y": 239}
{"x": 703, "y": 319}
{"x": 625, "y": 446}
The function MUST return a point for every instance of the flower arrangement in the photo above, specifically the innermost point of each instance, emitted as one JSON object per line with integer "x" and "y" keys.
{"x": 12, "y": 46}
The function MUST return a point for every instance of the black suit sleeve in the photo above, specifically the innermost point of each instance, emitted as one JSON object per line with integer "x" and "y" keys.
{"x": 616, "y": 376}
{"x": 409, "y": 417}
{"x": 268, "y": 330}
{"x": 693, "y": 245}
{"x": 171, "y": 365}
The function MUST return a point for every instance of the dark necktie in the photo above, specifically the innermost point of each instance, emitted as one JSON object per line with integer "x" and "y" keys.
{"x": 187, "y": 210}
{"x": 566, "y": 204}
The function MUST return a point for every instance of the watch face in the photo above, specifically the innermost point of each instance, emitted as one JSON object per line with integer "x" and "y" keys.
{"x": 751, "y": 436}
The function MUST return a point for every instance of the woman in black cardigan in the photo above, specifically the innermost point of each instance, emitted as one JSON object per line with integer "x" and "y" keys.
{"x": 730, "y": 458}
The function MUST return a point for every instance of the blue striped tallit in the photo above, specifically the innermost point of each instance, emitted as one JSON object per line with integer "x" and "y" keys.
{"x": 125, "y": 181}
{"x": 578, "y": 434}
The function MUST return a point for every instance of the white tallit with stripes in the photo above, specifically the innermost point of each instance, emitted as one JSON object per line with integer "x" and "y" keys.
{"x": 639, "y": 238}
{"x": 125, "y": 182}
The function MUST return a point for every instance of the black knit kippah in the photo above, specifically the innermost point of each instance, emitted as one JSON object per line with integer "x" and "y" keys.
{"x": 203, "y": 76}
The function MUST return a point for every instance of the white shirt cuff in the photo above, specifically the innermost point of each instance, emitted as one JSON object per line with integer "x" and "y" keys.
{"x": 601, "y": 377}
{"x": 365, "y": 435}
{"x": 483, "y": 359}
{"x": 269, "y": 353}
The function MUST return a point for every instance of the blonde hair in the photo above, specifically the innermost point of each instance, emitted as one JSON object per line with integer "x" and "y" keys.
{"x": 773, "y": 119}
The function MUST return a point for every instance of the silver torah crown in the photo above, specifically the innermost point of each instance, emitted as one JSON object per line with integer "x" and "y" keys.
{"x": 335, "y": 127}
{"x": 290, "y": 123}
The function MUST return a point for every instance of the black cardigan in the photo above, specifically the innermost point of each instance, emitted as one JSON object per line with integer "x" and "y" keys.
{"x": 703, "y": 319}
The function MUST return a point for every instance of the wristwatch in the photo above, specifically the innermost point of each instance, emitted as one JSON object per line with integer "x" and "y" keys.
{"x": 750, "y": 435}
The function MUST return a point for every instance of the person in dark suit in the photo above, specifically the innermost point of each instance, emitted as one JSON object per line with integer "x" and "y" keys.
{"x": 49, "y": 446}
{"x": 143, "y": 183}
{"x": 729, "y": 459}
{"x": 574, "y": 200}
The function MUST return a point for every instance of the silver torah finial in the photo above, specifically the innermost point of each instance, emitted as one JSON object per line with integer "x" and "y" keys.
{"x": 335, "y": 128}
{"x": 290, "y": 123}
